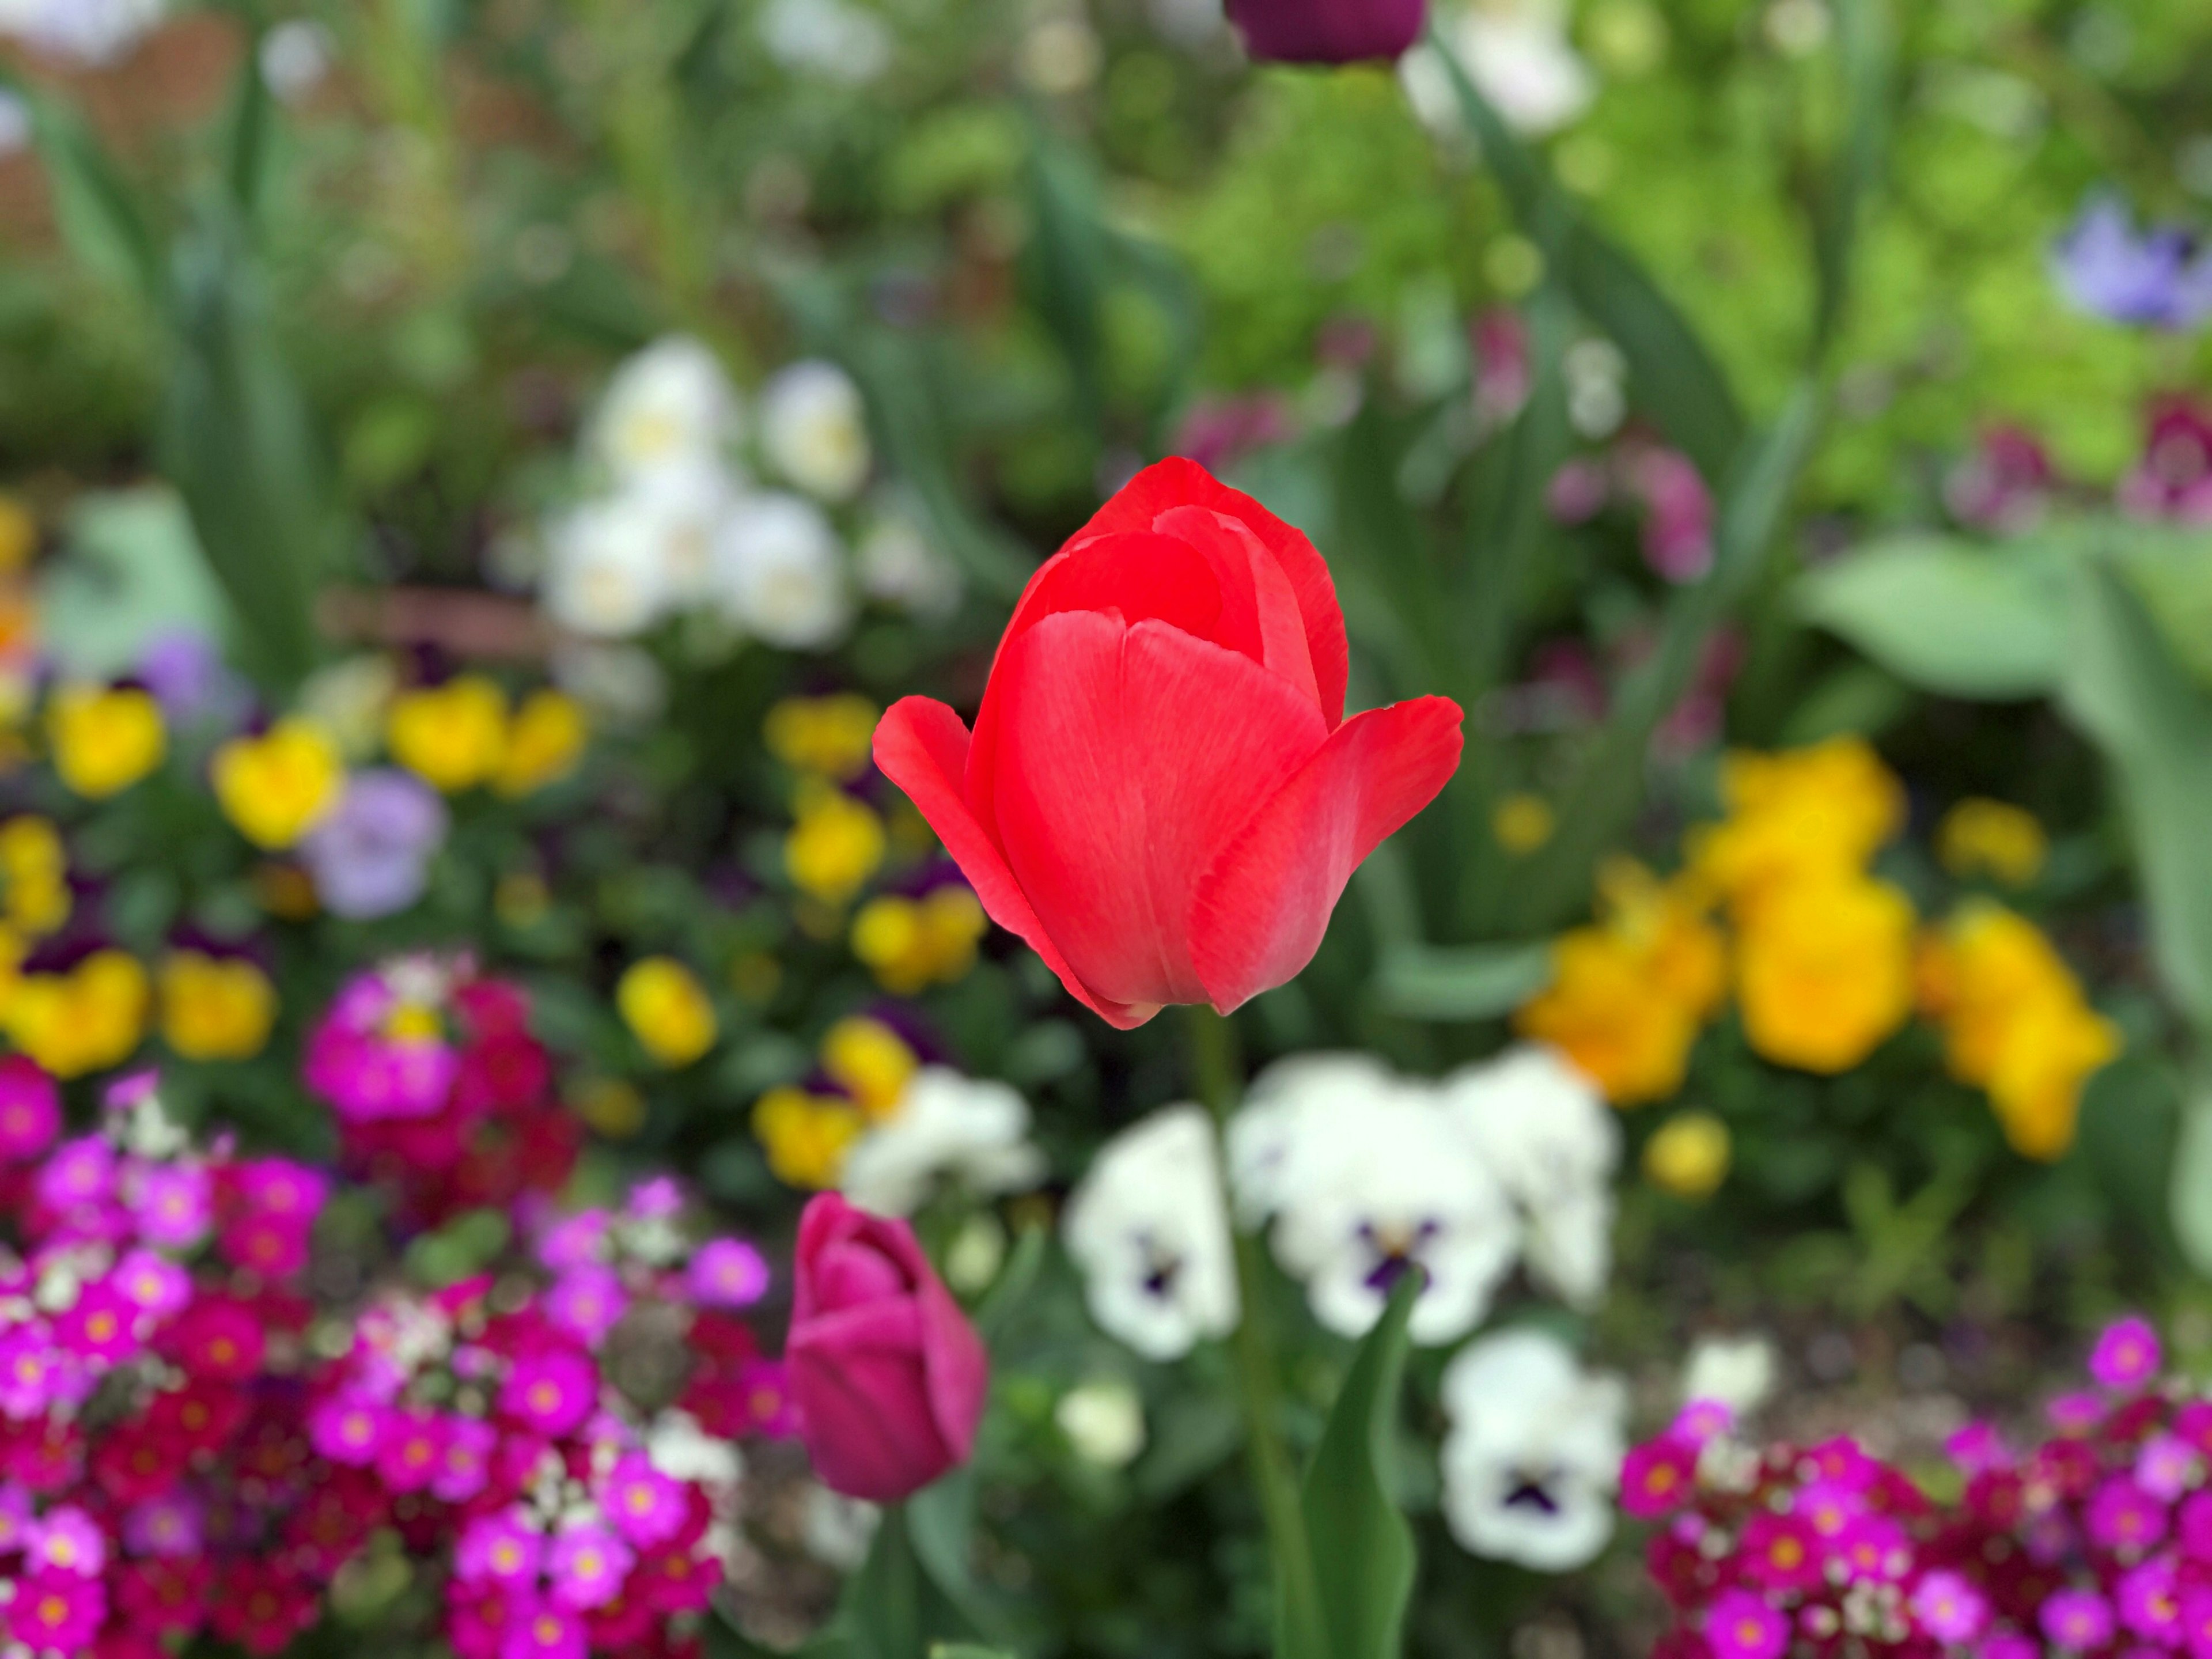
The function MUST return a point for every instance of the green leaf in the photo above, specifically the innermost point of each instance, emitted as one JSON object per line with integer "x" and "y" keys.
{"x": 880, "y": 1616}
{"x": 1363, "y": 1546}
{"x": 2189, "y": 1199}
{"x": 2170, "y": 565}
{"x": 1011, "y": 1287}
{"x": 1944, "y": 615}
{"x": 966, "y": 1651}
{"x": 2122, "y": 688}
{"x": 102, "y": 220}
{"x": 2130, "y": 1126}
{"x": 1475, "y": 981}
{"x": 1868, "y": 60}
{"x": 941, "y": 1524}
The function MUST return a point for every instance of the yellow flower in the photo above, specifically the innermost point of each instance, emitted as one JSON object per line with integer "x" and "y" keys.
{"x": 1603, "y": 1010}
{"x": 1822, "y": 811}
{"x": 544, "y": 743}
{"x": 912, "y": 944}
{"x": 1824, "y": 970}
{"x": 667, "y": 1010}
{"x": 1666, "y": 926}
{"x": 835, "y": 846}
{"x": 1980, "y": 837}
{"x": 870, "y": 1061}
{"x": 19, "y": 534}
{"x": 1522, "y": 822}
{"x": 832, "y": 736}
{"x": 1689, "y": 1156}
{"x": 85, "y": 1020}
{"x": 806, "y": 1136}
{"x": 104, "y": 741}
{"x": 452, "y": 737}
{"x": 277, "y": 787}
{"x": 2036, "y": 1088}
{"x": 214, "y": 1008}
{"x": 35, "y": 867}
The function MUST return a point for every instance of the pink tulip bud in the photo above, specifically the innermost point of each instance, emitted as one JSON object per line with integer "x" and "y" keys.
{"x": 1328, "y": 31}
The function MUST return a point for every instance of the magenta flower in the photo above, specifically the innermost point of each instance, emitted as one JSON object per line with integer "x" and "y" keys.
{"x": 2078, "y": 1621}
{"x": 1702, "y": 1420}
{"x": 1740, "y": 1626}
{"x": 67, "y": 1540}
{"x": 2194, "y": 1526}
{"x": 2196, "y": 1620}
{"x": 410, "y": 1448}
{"x": 57, "y": 1611}
{"x": 463, "y": 1460}
{"x": 1978, "y": 1448}
{"x": 1875, "y": 1550}
{"x": 2008, "y": 1645}
{"x": 657, "y": 1198}
{"x": 1658, "y": 1476}
{"x": 543, "y": 1631}
{"x": 587, "y": 1302}
{"x": 80, "y": 1172}
{"x": 1328, "y": 31}
{"x": 1948, "y": 1607}
{"x": 504, "y": 1547}
{"x": 576, "y": 1241}
{"x": 2075, "y": 1413}
{"x": 1829, "y": 1508}
{"x": 153, "y": 1284}
{"x": 376, "y": 1055}
{"x": 172, "y": 1202}
{"x": 647, "y": 1506}
{"x": 347, "y": 1429}
{"x": 277, "y": 1187}
{"x": 587, "y": 1564}
{"x": 771, "y": 1407}
{"x": 30, "y": 1110}
{"x": 2127, "y": 1355}
{"x": 100, "y": 1326}
{"x": 2149, "y": 1602}
{"x": 2125, "y": 1518}
{"x": 29, "y": 1372}
{"x": 1844, "y": 1462}
{"x": 550, "y": 1392}
{"x": 726, "y": 1272}
{"x": 170, "y": 1526}
{"x": 1781, "y": 1552}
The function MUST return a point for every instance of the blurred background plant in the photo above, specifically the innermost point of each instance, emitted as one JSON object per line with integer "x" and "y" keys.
{"x": 478, "y": 469}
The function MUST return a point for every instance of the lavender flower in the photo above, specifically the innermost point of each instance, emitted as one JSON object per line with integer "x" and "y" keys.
{"x": 2157, "y": 278}
{"x": 371, "y": 857}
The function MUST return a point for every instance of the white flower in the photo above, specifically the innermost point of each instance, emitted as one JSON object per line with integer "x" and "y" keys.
{"x": 1104, "y": 1421}
{"x": 969, "y": 1131}
{"x": 836, "y": 1530}
{"x": 349, "y": 700}
{"x": 89, "y": 31}
{"x": 1393, "y": 1182}
{"x": 295, "y": 57}
{"x": 670, "y": 403}
{"x": 898, "y": 567}
{"x": 1150, "y": 1231}
{"x": 1517, "y": 54}
{"x": 1736, "y": 1371}
{"x": 683, "y": 507}
{"x": 1553, "y": 1143}
{"x": 780, "y": 574}
{"x": 678, "y": 1446}
{"x": 829, "y": 39}
{"x": 1273, "y": 1139}
{"x": 1533, "y": 1456}
{"x": 815, "y": 429}
{"x": 605, "y": 576}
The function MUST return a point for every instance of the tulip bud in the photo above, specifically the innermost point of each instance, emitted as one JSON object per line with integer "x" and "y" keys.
{"x": 1326, "y": 31}
{"x": 889, "y": 1377}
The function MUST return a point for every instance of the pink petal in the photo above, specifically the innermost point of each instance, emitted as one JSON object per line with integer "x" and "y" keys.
{"x": 1162, "y": 487}
{"x": 1262, "y": 907}
{"x": 1263, "y": 598}
{"x": 922, "y": 747}
{"x": 1128, "y": 758}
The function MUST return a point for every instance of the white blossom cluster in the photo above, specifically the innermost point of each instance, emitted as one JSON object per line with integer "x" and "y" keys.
{"x": 90, "y": 32}
{"x": 948, "y": 1130}
{"x": 674, "y": 522}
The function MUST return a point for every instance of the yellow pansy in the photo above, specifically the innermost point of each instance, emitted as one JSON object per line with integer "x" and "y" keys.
{"x": 544, "y": 743}
{"x": 667, "y": 1010}
{"x": 215, "y": 1008}
{"x": 912, "y": 944}
{"x": 806, "y": 1136}
{"x": 35, "y": 866}
{"x": 453, "y": 736}
{"x": 277, "y": 787}
{"x": 870, "y": 1061}
{"x": 103, "y": 740}
{"x": 1689, "y": 1156}
{"x": 836, "y": 844}
{"x": 1992, "y": 838}
{"x": 86, "y": 1020}
{"x": 2035, "y": 1089}
{"x": 1604, "y": 1011}
{"x": 832, "y": 736}
{"x": 1824, "y": 970}
{"x": 1819, "y": 811}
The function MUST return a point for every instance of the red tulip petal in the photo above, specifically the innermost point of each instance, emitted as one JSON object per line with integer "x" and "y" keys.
{"x": 1262, "y": 907}
{"x": 922, "y": 747}
{"x": 1176, "y": 482}
{"x": 1243, "y": 567}
{"x": 1128, "y": 757}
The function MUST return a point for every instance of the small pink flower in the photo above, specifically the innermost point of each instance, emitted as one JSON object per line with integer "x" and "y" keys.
{"x": 30, "y": 1110}
{"x": 2078, "y": 1621}
{"x": 1740, "y": 1626}
{"x": 153, "y": 1284}
{"x": 2075, "y": 1413}
{"x": 1875, "y": 1550}
{"x": 347, "y": 1429}
{"x": 578, "y": 1241}
{"x": 1948, "y": 1607}
{"x": 100, "y": 1328}
{"x": 550, "y": 1392}
{"x": 2149, "y": 1602}
{"x": 587, "y": 1564}
{"x": 657, "y": 1198}
{"x": 504, "y": 1547}
{"x": 67, "y": 1540}
{"x": 80, "y": 1172}
{"x": 172, "y": 1203}
{"x": 1701, "y": 1420}
{"x": 57, "y": 1611}
{"x": 2122, "y": 1517}
{"x": 170, "y": 1526}
{"x": 588, "y": 1301}
{"x": 726, "y": 1272}
{"x": 1829, "y": 1508}
{"x": 771, "y": 1409}
{"x": 410, "y": 1448}
{"x": 646, "y": 1506}
{"x": 2008, "y": 1645}
{"x": 543, "y": 1631}
{"x": 1658, "y": 1476}
{"x": 1977, "y": 1449}
{"x": 463, "y": 1461}
{"x": 1781, "y": 1552}
{"x": 2127, "y": 1355}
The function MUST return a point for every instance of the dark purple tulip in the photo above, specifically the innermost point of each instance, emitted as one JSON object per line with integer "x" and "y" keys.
{"x": 1328, "y": 31}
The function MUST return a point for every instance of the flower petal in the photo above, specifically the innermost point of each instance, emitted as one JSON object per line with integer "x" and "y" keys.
{"x": 1128, "y": 758}
{"x": 922, "y": 747}
{"x": 1260, "y": 909}
{"x": 1176, "y": 482}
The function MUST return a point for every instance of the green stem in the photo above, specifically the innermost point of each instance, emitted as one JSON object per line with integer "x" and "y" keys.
{"x": 1218, "y": 1072}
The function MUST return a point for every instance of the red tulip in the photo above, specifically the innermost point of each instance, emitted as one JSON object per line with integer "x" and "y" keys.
{"x": 887, "y": 1373}
{"x": 1163, "y": 796}
{"x": 1328, "y": 31}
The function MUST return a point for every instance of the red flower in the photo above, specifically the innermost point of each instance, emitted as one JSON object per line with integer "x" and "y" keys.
{"x": 261, "y": 1607}
{"x": 1328, "y": 31}
{"x": 1161, "y": 795}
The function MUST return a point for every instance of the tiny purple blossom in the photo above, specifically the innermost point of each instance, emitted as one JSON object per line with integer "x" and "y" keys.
{"x": 503, "y": 1547}
{"x": 2127, "y": 1355}
{"x": 1702, "y": 1420}
{"x": 1948, "y": 1607}
{"x": 346, "y": 1428}
{"x": 656, "y": 1199}
{"x": 465, "y": 1462}
{"x": 173, "y": 1202}
{"x": 173, "y": 1524}
{"x": 1740, "y": 1625}
{"x": 648, "y": 1507}
{"x": 2123, "y": 1518}
{"x": 726, "y": 1272}
{"x": 371, "y": 856}
{"x": 575, "y": 1241}
{"x": 587, "y": 1564}
{"x": 68, "y": 1539}
{"x": 587, "y": 1302}
{"x": 2076, "y": 1620}
{"x": 2149, "y": 1602}
{"x": 2167, "y": 1467}
{"x": 152, "y": 1283}
{"x": 2157, "y": 278}
{"x": 80, "y": 1172}
{"x": 2076, "y": 1413}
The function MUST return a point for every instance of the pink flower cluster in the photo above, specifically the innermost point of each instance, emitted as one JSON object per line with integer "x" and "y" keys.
{"x": 2096, "y": 1542}
{"x": 441, "y": 1093}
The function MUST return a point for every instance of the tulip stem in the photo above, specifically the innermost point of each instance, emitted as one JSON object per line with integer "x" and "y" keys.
{"x": 1217, "y": 1071}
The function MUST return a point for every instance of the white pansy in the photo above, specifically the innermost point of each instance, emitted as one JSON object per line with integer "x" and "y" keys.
{"x": 296, "y": 57}
{"x": 898, "y": 567}
{"x": 1736, "y": 1371}
{"x": 1150, "y": 1231}
{"x": 967, "y": 1131}
{"x": 605, "y": 576}
{"x": 1553, "y": 1143}
{"x": 683, "y": 507}
{"x": 830, "y": 39}
{"x": 1393, "y": 1182}
{"x": 780, "y": 572}
{"x": 679, "y": 1448}
{"x": 814, "y": 428}
{"x": 1276, "y": 1139}
{"x": 1533, "y": 1456}
{"x": 90, "y": 31}
{"x": 1518, "y": 56}
{"x": 1104, "y": 1421}
{"x": 669, "y": 403}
